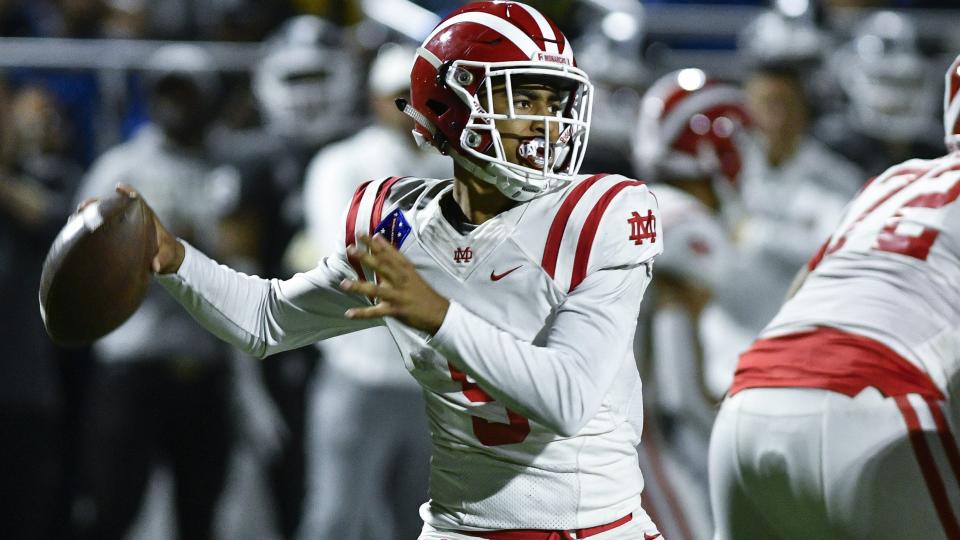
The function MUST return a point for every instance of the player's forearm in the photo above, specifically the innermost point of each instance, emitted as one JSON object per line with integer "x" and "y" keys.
{"x": 547, "y": 386}
{"x": 561, "y": 384}
{"x": 258, "y": 316}
{"x": 225, "y": 302}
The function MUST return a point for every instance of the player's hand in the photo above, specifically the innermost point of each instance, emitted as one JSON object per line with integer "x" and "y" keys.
{"x": 401, "y": 292}
{"x": 170, "y": 251}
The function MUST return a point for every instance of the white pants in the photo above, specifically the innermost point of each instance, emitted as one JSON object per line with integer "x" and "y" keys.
{"x": 641, "y": 527}
{"x": 806, "y": 463}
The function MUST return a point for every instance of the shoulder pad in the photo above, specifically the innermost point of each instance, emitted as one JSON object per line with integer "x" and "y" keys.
{"x": 603, "y": 221}
{"x": 374, "y": 200}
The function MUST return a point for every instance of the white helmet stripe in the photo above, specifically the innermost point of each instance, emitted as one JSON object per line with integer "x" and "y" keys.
{"x": 548, "y": 35}
{"x": 508, "y": 30}
{"x": 429, "y": 57}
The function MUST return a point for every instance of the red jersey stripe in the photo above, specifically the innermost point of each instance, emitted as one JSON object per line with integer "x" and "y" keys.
{"x": 376, "y": 213}
{"x": 928, "y": 467}
{"x": 351, "y": 231}
{"x": 382, "y": 192}
{"x": 589, "y": 231}
{"x": 551, "y": 249}
{"x": 814, "y": 262}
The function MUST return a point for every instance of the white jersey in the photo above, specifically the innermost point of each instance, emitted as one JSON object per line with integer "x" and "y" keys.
{"x": 530, "y": 378}
{"x": 891, "y": 271}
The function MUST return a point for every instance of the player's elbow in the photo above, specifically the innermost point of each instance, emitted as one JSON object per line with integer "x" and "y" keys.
{"x": 568, "y": 428}
{"x": 573, "y": 419}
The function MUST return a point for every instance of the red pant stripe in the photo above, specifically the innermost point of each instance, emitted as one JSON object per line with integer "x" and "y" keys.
{"x": 946, "y": 438}
{"x": 929, "y": 469}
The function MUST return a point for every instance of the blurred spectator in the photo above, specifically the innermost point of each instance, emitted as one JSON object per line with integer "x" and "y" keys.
{"x": 779, "y": 105}
{"x": 36, "y": 188}
{"x": 891, "y": 93}
{"x": 303, "y": 95}
{"x": 370, "y": 448}
{"x": 161, "y": 386}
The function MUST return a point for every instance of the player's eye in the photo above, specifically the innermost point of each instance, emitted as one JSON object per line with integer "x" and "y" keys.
{"x": 521, "y": 103}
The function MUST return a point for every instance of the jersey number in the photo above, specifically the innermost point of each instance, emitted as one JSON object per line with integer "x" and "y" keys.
{"x": 915, "y": 245}
{"x": 491, "y": 433}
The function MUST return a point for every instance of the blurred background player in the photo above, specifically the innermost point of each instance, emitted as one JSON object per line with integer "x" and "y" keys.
{"x": 161, "y": 387}
{"x": 690, "y": 140}
{"x": 369, "y": 482}
{"x": 842, "y": 417}
{"x": 890, "y": 88}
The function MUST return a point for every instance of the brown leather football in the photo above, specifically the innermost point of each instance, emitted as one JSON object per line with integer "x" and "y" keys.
{"x": 98, "y": 270}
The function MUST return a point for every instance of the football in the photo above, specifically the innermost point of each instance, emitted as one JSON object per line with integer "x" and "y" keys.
{"x": 97, "y": 270}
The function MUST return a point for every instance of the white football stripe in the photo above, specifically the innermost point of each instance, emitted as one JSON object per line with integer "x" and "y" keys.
{"x": 429, "y": 57}
{"x": 545, "y": 28}
{"x": 509, "y": 31}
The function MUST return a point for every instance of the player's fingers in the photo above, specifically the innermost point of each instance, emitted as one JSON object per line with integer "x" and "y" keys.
{"x": 378, "y": 311}
{"x": 127, "y": 190}
{"x": 395, "y": 268}
{"x": 376, "y": 263}
{"x": 365, "y": 288}
{"x": 86, "y": 202}
{"x": 385, "y": 251}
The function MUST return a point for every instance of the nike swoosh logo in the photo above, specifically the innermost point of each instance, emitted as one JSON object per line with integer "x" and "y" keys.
{"x": 497, "y": 277}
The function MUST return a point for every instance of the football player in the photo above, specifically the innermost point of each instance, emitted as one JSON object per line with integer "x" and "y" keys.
{"x": 512, "y": 290}
{"x": 841, "y": 419}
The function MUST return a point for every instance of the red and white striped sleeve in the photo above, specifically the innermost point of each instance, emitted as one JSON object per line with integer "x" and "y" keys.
{"x": 605, "y": 221}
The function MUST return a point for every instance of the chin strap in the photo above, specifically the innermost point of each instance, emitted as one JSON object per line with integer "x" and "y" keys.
{"x": 512, "y": 189}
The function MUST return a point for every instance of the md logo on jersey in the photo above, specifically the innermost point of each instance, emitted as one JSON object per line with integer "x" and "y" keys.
{"x": 462, "y": 255}
{"x": 393, "y": 228}
{"x": 643, "y": 227}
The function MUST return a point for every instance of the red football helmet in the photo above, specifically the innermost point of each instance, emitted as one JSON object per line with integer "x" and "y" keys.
{"x": 487, "y": 44}
{"x": 951, "y": 106}
{"x": 689, "y": 128}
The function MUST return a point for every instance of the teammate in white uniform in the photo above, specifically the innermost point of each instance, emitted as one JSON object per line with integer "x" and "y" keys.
{"x": 512, "y": 290}
{"x": 687, "y": 140}
{"x": 841, "y": 419}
